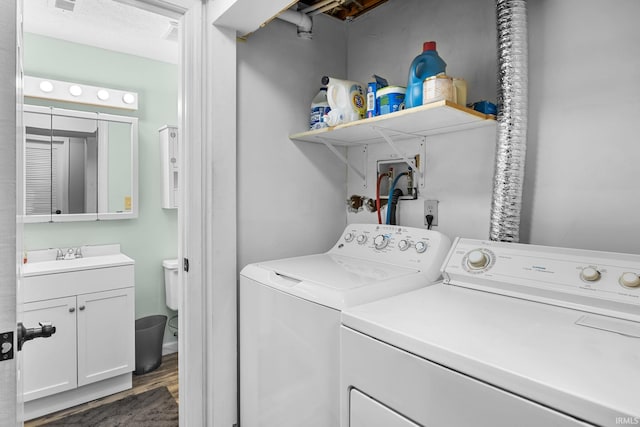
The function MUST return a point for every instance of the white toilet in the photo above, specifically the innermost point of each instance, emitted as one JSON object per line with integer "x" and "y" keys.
{"x": 171, "y": 282}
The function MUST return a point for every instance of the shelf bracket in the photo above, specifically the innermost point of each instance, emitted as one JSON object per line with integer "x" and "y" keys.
{"x": 397, "y": 150}
{"x": 343, "y": 159}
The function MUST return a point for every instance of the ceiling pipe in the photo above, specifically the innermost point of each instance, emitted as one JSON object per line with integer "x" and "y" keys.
{"x": 300, "y": 20}
{"x": 511, "y": 146}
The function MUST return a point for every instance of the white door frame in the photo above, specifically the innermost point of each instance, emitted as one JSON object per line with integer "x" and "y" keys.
{"x": 207, "y": 218}
{"x": 10, "y": 236}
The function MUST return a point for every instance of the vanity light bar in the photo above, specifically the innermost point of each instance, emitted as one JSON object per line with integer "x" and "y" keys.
{"x": 36, "y": 87}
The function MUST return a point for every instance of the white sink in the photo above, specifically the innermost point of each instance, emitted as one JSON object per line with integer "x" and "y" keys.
{"x": 41, "y": 262}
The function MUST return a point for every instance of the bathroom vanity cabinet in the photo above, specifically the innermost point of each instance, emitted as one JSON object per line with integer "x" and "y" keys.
{"x": 90, "y": 301}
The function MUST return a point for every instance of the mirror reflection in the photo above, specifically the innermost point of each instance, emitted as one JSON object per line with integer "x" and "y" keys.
{"x": 79, "y": 165}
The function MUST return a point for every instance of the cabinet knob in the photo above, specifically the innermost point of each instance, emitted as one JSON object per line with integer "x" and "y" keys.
{"x": 81, "y": 308}
{"x": 72, "y": 309}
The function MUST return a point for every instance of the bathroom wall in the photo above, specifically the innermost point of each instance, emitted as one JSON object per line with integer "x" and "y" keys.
{"x": 291, "y": 196}
{"x": 151, "y": 237}
{"x": 458, "y": 166}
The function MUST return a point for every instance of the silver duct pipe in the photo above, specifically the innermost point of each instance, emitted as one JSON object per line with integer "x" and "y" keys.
{"x": 508, "y": 180}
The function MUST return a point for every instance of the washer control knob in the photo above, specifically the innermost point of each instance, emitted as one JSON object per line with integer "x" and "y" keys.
{"x": 349, "y": 237}
{"x": 630, "y": 280}
{"x": 362, "y": 239}
{"x": 477, "y": 259}
{"x": 590, "y": 274}
{"x": 421, "y": 247}
{"x": 380, "y": 241}
{"x": 403, "y": 245}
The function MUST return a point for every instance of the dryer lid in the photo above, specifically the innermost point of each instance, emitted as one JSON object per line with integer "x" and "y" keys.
{"x": 542, "y": 352}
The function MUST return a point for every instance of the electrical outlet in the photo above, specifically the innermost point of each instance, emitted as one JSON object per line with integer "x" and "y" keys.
{"x": 431, "y": 208}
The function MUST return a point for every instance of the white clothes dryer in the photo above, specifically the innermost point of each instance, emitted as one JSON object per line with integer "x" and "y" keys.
{"x": 290, "y": 318}
{"x": 516, "y": 335}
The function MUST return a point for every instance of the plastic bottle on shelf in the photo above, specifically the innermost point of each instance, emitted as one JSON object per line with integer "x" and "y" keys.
{"x": 427, "y": 64}
{"x": 319, "y": 109}
{"x": 346, "y": 99}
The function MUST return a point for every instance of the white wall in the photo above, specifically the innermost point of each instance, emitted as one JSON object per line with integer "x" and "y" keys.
{"x": 459, "y": 166}
{"x": 385, "y": 41}
{"x": 291, "y": 196}
{"x": 582, "y": 182}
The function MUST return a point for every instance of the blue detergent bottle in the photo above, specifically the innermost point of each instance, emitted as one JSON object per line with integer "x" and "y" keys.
{"x": 425, "y": 65}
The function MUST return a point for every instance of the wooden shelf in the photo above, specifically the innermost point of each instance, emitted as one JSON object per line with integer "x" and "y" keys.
{"x": 430, "y": 119}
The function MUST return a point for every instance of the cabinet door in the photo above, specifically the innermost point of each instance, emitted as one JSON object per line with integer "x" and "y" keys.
{"x": 105, "y": 335}
{"x": 50, "y": 363}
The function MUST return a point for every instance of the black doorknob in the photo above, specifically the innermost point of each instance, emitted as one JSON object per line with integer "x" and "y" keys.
{"x": 45, "y": 330}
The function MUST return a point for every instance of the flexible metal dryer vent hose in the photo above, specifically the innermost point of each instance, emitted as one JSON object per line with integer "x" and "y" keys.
{"x": 511, "y": 143}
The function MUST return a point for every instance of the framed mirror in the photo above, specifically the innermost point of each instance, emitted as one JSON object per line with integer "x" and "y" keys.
{"x": 79, "y": 166}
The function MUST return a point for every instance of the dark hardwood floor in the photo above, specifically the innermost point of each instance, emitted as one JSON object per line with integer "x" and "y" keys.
{"x": 165, "y": 375}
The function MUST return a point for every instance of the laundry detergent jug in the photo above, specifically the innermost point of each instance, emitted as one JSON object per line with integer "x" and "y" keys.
{"x": 425, "y": 65}
{"x": 319, "y": 110}
{"x": 346, "y": 99}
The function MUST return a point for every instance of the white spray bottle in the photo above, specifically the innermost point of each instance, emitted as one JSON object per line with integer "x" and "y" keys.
{"x": 346, "y": 99}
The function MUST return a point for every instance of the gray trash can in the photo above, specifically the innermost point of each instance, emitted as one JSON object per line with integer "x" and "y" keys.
{"x": 149, "y": 334}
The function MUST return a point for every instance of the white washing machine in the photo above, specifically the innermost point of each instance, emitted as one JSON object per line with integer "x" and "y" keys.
{"x": 290, "y": 318}
{"x": 516, "y": 335}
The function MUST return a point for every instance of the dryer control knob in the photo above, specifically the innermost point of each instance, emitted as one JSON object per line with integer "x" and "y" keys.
{"x": 477, "y": 259}
{"x": 630, "y": 280}
{"x": 403, "y": 245}
{"x": 421, "y": 247}
{"x": 590, "y": 274}
{"x": 349, "y": 237}
{"x": 380, "y": 241}
{"x": 362, "y": 239}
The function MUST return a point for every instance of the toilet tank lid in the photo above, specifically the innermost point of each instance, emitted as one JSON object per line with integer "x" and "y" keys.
{"x": 171, "y": 264}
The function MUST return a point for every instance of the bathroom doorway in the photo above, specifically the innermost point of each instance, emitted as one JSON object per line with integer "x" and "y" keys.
{"x": 135, "y": 49}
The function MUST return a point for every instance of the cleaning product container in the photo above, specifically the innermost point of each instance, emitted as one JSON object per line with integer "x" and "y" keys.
{"x": 372, "y": 102}
{"x": 319, "y": 108}
{"x": 346, "y": 99}
{"x": 391, "y": 99}
{"x": 437, "y": 88}
{"x": 425, "y": 65}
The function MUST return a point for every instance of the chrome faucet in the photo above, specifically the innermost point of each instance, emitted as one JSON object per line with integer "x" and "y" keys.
{"x": 71, "y": 253}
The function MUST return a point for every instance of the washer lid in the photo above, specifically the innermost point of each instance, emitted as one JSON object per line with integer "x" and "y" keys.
{"x": 546, "y": 353}
{"x": 334, "y": 280}
{"x": 337, "y": 272}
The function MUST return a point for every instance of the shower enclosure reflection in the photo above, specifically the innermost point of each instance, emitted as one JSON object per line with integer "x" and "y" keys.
{"x": 79, "y": 166}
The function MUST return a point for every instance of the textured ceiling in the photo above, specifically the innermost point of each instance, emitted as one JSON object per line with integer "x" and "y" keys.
{"x": 105, "y": 24}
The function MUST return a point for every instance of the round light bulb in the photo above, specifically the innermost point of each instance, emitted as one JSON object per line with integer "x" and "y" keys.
{"x": 103, "y": 95}
{"x": 46, "y": 86}
{"x": 128, "y": 98}
{"x": 75, "y": 90}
